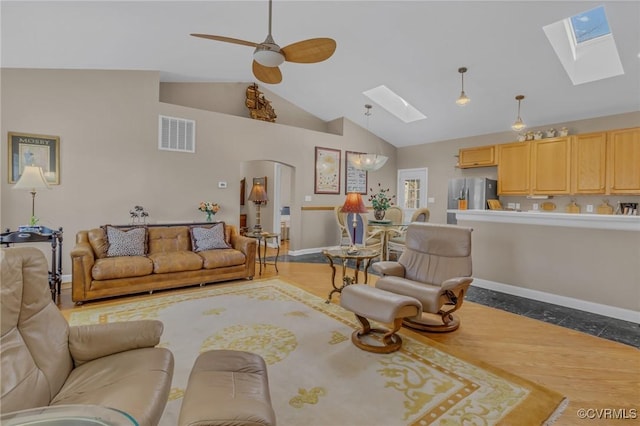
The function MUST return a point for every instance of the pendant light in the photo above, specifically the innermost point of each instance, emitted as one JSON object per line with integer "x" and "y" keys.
{"x": 463, "y": 99}
{"x": 368, "y": 162}
{"x": 519, "y": 124}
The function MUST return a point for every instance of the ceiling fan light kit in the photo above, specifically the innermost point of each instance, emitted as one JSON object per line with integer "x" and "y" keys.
{"x": 268, "y": 55}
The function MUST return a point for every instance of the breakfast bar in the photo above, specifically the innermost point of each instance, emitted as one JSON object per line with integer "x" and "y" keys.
{"x": 584, "y": 261}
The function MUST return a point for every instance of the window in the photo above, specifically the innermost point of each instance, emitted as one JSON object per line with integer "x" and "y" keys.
{"x": 589, "y": 25}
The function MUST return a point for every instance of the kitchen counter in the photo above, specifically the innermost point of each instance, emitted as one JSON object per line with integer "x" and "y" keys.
{"x": 569, "y": 220}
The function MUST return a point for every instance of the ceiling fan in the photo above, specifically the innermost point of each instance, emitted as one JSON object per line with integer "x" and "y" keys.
{"x": 268, "y": 55}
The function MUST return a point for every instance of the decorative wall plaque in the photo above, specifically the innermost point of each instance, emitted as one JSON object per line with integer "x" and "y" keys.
{"x": 259, "y": 107}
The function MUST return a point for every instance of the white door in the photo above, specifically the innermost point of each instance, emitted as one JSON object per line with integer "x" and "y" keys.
{"x": 412, "y": 190}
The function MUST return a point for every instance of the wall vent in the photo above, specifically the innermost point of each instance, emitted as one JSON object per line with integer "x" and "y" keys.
{"x": 177, "y": 134}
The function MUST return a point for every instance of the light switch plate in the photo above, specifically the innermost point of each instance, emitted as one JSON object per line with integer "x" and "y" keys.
{"x": 307, "y": 198}
{"x": 222, "y": 184}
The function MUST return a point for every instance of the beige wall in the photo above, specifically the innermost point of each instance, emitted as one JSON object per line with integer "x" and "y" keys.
{"x": 108, "y": 127}
{"x": 229, "y": 98}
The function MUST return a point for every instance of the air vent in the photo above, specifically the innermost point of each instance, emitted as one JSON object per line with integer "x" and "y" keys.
{"x": 177, "y": 134}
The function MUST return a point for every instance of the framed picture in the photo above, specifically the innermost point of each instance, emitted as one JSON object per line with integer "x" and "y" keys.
{"x": 34, "y": 150}
{"x": 327, "y": 173}
{"x": 355, "y": 179}
{"x": 261, "y": 180}
{"x": 243, "y": 185}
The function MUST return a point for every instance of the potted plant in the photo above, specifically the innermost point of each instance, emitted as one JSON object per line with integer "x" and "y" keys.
{"x": 380, "y": 201}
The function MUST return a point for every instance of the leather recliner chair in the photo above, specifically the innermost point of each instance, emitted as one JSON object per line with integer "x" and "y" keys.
{"x": 434, "y": 268}
{"x": 46, "y": 363}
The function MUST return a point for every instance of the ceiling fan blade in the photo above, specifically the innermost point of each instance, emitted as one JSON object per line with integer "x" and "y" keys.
{"x": 267, "y": 74}
{"x": 226, "y": 39}
{"x": 310, "y": 51}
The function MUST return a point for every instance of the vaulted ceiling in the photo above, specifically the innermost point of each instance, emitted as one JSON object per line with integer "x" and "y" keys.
{"x": 415, "y": 48}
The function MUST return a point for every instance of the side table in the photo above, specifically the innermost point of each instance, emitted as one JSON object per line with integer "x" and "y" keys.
{"x": 45, "y": 236}
{"x": 362, "y": 255}
{"x": 263, "y": 238}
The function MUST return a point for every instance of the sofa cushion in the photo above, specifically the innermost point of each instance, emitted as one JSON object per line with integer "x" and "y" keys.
{"x": 165, "y": 239}
{"x": 208, "y": 237}
{"x": 122, "y": 266}
{"x": 130, "y": 242}
{"x": 99, "y": 243}
{"x": 221, "y": 258}
{"x": 176, "y": 261}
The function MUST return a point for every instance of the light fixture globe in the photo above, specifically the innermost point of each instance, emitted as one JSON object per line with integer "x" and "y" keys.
{"x": 368, "y": 162}
{"x": 463, "y": 99}
{"x": 268, "y": 53}
{"x": 518, "y": 125}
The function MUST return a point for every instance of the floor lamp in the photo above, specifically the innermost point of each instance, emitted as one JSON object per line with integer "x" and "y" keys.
{"x": 354, "y": 205}
{"x": 32, "y": 179}
{"x": 258, "y": 195}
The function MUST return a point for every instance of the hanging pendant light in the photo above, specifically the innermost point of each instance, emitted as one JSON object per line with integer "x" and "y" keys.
{"x": 368, "y": 162}
{"x": 463, "y": 99}
{"x": 519, "y": 124}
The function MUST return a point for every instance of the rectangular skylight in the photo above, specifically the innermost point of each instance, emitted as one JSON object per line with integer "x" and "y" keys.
{"x": 589, "y": 25}
{"x": 394, "y": 103}
{"x": 585, "y": 46}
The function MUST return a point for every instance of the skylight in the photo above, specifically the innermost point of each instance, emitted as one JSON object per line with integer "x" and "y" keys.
{"x": 585, "y": 46}
{"x": 394, "y": 103}
{"x": 589, "y": 25}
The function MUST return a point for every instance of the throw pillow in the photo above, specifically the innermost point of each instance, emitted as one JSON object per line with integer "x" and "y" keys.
{"x": 126, "y": 243}
{"x": 208, "y": 238}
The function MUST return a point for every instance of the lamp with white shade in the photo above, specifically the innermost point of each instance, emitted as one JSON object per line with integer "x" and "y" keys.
{"x": 32, "y": 179}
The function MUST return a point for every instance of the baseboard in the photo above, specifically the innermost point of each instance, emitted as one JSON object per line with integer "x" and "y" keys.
{"x": 569, "y": 302}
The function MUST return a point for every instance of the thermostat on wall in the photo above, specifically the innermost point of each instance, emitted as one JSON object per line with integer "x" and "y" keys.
{"x": 222, "y": 184}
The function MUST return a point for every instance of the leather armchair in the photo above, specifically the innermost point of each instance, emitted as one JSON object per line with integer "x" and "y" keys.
{"x": 46, "y": 362}
{"x": 434, "y": 268}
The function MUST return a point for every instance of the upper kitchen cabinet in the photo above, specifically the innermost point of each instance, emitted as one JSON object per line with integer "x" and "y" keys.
{"x": 513, "y": 168}
{"x": 623, "y": 161}
{"x": 550, "y": 166}
{"x": 588, "y": 163}
{"x": 478, "y": 156}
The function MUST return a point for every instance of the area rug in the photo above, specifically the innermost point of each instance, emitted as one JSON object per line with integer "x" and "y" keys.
{"x": 316, "y": 375}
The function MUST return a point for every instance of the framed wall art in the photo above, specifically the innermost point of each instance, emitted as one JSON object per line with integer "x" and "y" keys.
{"x": 34, "y": 150}
{"x": 355, "y": 179}
{"x": 327, "y": 173}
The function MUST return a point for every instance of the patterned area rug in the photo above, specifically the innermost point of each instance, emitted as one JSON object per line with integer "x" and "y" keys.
{"x": 316, "y": 375}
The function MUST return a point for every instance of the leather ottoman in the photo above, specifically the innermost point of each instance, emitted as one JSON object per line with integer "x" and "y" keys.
{"x": 227, "y": 388}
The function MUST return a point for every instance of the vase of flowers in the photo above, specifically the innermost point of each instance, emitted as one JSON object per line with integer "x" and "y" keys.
{"x": 381, "y": 201}
{"x": 209, "y": 208}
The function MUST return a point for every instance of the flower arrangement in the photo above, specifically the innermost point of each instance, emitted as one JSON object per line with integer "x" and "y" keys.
{"x": 209, "y": 208}
{"x": 380, "y": 200}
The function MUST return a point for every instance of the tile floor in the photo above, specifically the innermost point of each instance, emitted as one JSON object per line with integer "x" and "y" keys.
{"x": 596, "y": 325}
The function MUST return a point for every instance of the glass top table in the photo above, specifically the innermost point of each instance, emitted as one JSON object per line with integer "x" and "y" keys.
{"x": 68, "y": 415}
{"x": 343, "y": 255}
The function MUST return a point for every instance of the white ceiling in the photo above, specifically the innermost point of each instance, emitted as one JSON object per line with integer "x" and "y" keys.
{"x": 413, "y": 47}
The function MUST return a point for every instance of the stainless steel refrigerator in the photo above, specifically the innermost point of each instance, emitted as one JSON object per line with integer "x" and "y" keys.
{"x": 475, "y": 190}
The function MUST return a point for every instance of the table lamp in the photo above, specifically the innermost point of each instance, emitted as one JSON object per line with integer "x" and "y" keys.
{"x": 353, "y": 204}
{"x": 32, "y": 179}
{"x": 259, "y": 196}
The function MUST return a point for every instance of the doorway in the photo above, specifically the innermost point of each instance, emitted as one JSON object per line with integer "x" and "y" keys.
{"x": 412, "y": 190}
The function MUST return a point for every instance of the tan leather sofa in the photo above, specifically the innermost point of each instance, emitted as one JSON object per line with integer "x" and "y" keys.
{"x": 169, "y": 262}
{"x": 47, "y": 363}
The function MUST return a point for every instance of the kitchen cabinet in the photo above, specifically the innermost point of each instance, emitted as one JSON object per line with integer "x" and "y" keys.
{"x": 623, "y": 161}
{"x": 551, "y": 166}
{"x": 588, "y": 163}
{"x": 479, "y": 156}
{"x": 514, "y": 168}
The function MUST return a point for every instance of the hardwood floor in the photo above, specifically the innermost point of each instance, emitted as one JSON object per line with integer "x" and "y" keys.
{"x": 593, "y": 373}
